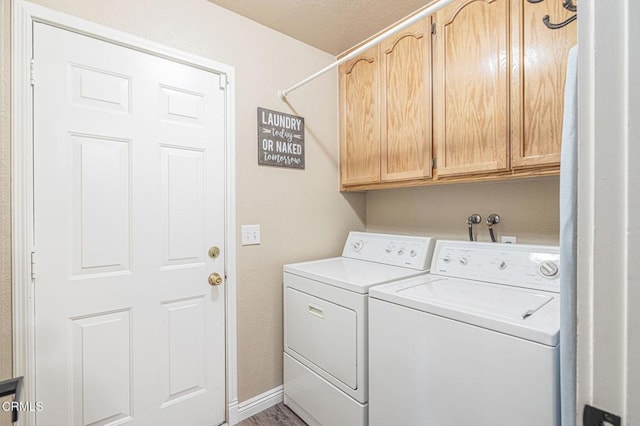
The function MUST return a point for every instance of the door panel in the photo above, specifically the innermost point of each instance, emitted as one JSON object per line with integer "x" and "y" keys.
{"x": 102, "y": 376}
{"x": 101, "y": 209}
{"x": 360, "y": 119}
{"x": 471, "y": 87}
{"x": 184, "y": 361}
{"x": 100, "y": 89}
{"x": 129, "y": 189}
{"x": 182, "y": 204}
{"x": 406, "y": 104}
{"x": 540, "y": 64}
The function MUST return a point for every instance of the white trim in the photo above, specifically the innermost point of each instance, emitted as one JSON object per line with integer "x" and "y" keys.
{"x": 24, "y": 15}
{"x": 232, "y": 418}
{"x": 608, "y": 240}
{"x": 259, "y": 403}
{"x": 21, "y": 202}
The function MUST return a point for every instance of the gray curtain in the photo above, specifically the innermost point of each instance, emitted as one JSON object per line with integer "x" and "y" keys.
{"x": 568, "y": 246}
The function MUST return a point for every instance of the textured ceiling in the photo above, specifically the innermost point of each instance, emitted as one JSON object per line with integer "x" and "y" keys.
{"x": 330, "y": 25}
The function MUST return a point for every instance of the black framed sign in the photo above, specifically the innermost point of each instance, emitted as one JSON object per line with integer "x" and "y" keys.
{"x": 280, "y": 139}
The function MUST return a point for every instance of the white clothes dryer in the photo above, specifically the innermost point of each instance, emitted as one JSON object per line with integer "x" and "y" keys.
{"x": 475, "y": 342}
{"x": 325, "y": 323}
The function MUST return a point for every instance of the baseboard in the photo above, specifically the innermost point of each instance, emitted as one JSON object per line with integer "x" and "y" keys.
{"x": 259, "y": 403}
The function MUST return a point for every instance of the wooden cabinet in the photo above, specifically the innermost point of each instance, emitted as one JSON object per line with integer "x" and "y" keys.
{"x": 540, "y": 65}
{"x": 360, "y": 119}
{"x": 405, "y": 61}
{"x": 385, "y": 110}
{"x": 489, "y": 106}
{"x": 471, "y": 87}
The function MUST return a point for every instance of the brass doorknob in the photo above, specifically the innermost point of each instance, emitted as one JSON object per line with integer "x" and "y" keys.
{"x": 215, "y": 279}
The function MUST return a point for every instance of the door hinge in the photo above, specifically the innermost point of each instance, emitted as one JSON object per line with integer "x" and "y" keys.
{"x": 32, "y": 72}
{"x": 224, "y": 81}
{"x": 433, "y": 28}
{"x": 434, "y": 163}
{"x": 34, "y": 270}
{"x": 593, "y": 416}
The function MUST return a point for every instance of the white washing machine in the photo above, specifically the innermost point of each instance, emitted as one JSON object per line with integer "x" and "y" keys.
{"x": 473, "y": 343}
{"x": 325, "y": 323}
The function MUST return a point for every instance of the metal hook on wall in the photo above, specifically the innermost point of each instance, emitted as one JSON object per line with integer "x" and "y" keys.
{"x": 568, "y": 5}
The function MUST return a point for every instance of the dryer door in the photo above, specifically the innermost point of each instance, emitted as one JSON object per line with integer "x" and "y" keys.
{"x": 322, "y": 333}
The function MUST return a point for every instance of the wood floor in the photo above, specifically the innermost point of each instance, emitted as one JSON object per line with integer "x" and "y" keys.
{"x": 276, "y": 415}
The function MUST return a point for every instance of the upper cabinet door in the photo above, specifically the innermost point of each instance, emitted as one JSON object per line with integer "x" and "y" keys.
{"x": 406, "y": 104}
{"x": 360, "y": 119}
{"x": 471, "y": 87}
{"x": 540, "y": 64}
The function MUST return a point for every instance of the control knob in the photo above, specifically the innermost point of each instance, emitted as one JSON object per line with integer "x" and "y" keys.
{"x": 548, "y": 269}
{"x": 357, "y": 245}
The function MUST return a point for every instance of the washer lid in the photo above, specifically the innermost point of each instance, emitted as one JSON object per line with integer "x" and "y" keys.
{"x": 350, "y": 274}
{"x": 529, "y": 314}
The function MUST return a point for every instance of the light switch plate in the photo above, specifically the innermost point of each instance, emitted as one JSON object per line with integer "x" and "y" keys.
{"x": 250, "y": 235}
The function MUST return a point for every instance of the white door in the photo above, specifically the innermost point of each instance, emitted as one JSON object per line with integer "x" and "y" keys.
{"x": 129, "y": 197}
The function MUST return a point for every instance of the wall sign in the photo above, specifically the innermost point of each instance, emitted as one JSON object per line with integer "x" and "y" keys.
{"x": 280, "y": 139}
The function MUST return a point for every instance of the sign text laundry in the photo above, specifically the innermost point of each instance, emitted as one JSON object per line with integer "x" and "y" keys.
{"x": 280, "y": 139}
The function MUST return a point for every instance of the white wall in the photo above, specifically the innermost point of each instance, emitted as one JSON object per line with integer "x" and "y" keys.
{"x": 528, "y": 209}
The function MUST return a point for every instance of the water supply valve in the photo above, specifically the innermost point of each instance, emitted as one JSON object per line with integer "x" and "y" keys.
{"x": 473, "y": 219}
{"x": 492, "y": 219}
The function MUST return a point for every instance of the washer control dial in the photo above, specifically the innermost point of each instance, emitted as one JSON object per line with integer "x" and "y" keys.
{"x": 357, "y": 245}
{"x": 548, "y": 269}
{"x": 463, "y": 260}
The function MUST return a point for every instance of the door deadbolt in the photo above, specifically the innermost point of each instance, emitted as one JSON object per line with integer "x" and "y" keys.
{"x": 214, "y": 252}
{"x": 215, "y": 279}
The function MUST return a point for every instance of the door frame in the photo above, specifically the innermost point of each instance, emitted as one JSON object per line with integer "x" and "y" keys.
{"x": 24, "y": 15}
{"x": 608, "y": 371}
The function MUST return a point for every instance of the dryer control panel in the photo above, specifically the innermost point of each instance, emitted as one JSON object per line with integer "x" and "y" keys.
{"x": 407, "y": 251}
{"x": 518, "y": 265}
